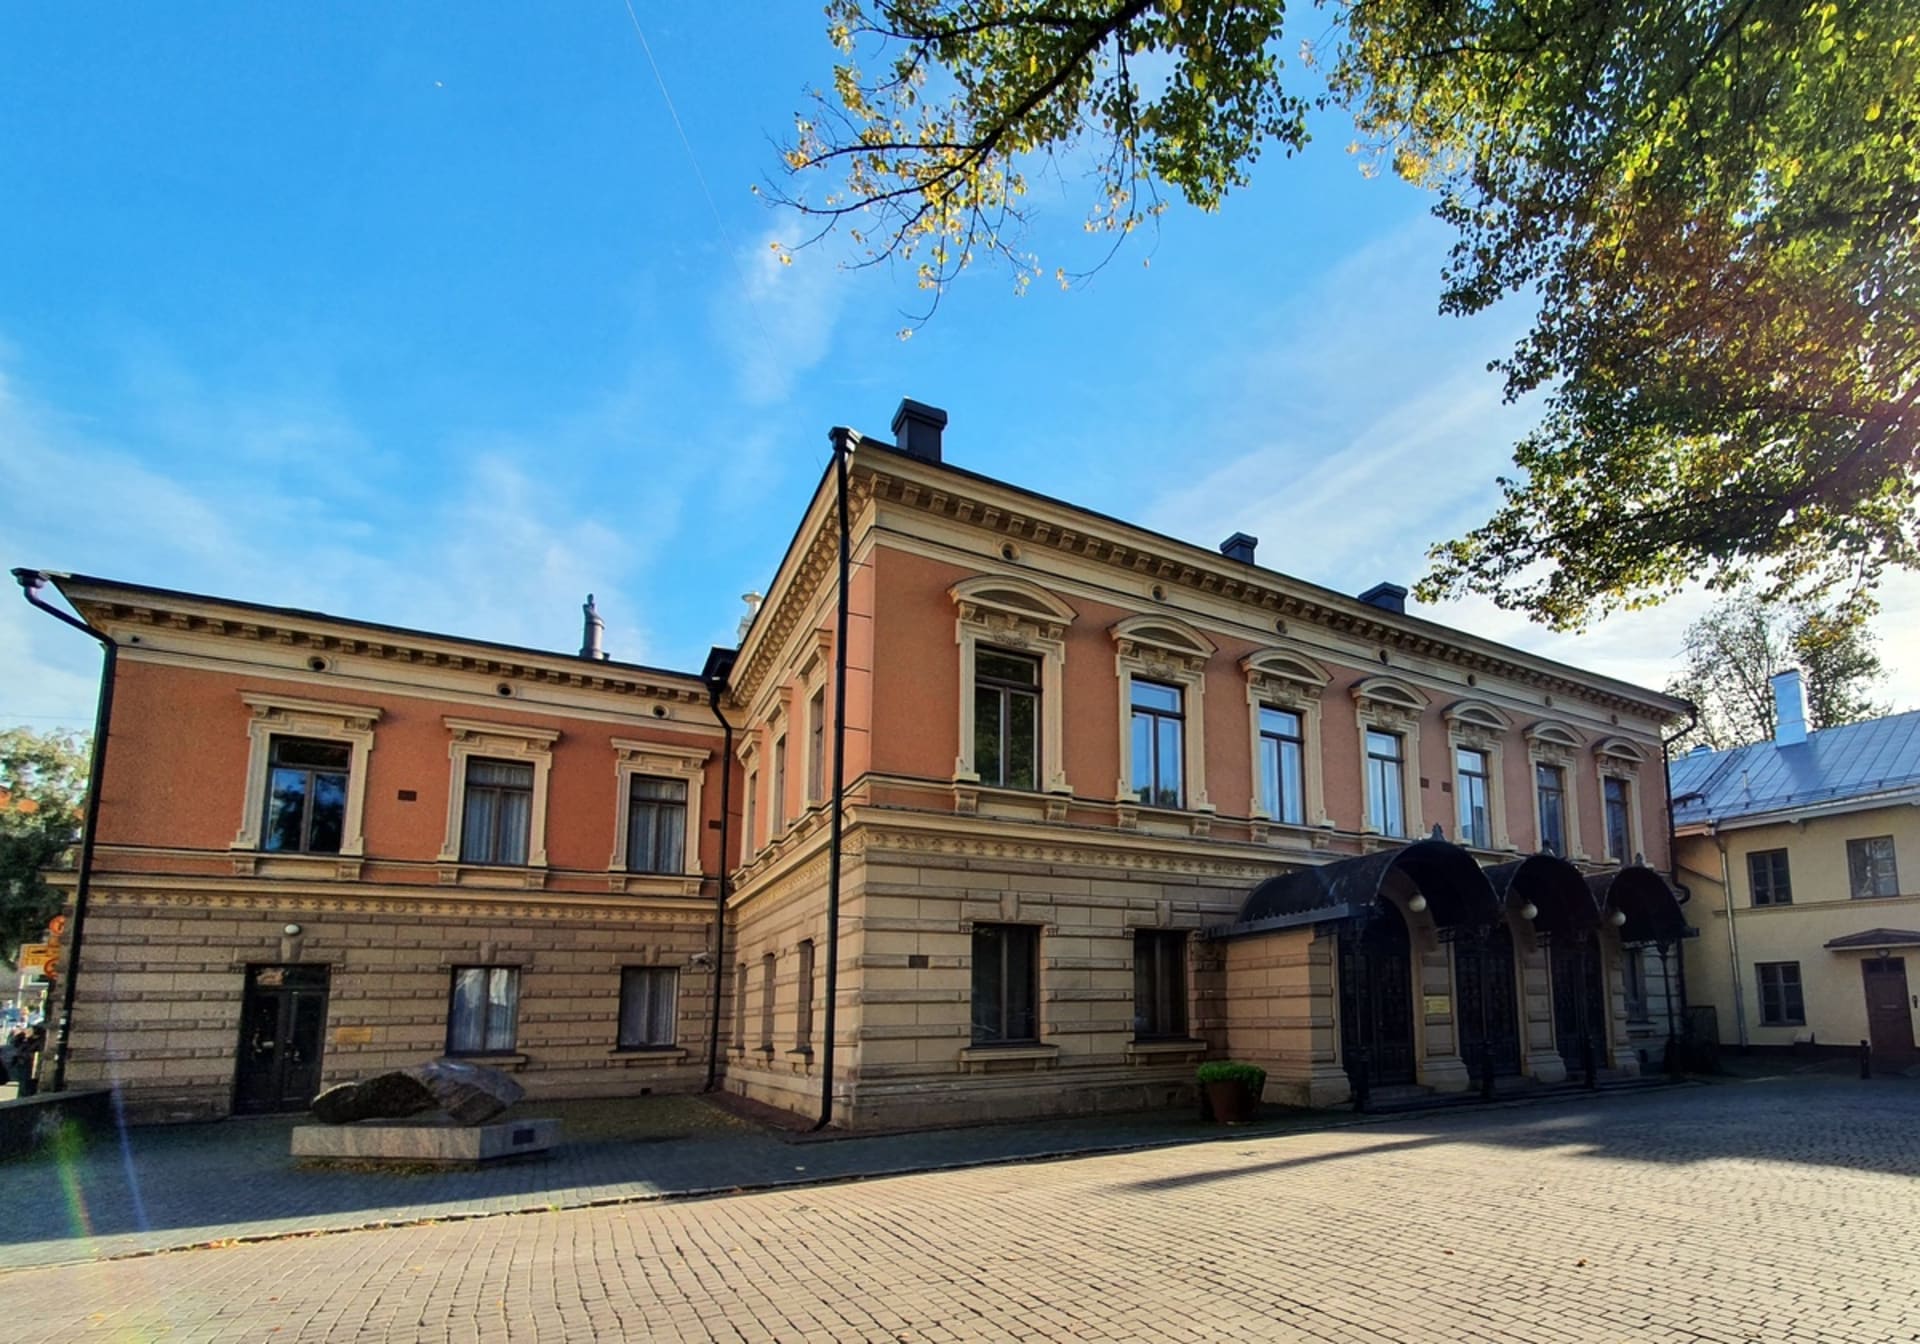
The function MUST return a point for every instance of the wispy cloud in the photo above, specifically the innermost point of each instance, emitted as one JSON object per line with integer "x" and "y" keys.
{"x": 776, "y": 320}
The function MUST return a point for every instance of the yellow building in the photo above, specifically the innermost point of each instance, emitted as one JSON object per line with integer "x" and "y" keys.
{"x": 1794, "y": 851}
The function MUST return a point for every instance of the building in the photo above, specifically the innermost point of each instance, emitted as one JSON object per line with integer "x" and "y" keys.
{"x": 1792, "y": 849}
{"x": 1112, "y": 803}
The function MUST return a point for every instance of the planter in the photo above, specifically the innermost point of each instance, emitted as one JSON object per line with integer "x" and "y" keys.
{"x": 1232, "y": 1103}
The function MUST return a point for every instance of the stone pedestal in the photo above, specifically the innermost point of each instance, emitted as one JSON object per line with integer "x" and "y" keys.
{"x": 399, "y": 1142}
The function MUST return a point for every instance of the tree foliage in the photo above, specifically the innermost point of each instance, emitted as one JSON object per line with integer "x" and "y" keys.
{"x": 1733, "y": 652}
{"x": 43, "y": 779}
{"x": 1712, "y": 204}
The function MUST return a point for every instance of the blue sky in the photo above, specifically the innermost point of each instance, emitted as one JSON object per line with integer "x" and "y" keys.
{"x": 426, "y": 314}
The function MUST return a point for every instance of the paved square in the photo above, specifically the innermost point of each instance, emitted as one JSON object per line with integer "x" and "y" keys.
{"x": 1746, "y": 1212}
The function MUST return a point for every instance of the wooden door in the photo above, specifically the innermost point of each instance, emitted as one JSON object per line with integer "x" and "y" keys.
{"x": 283, "y": 1023}
{"x": 1376, "y": 998}
{"x": 1889, "y": 1024}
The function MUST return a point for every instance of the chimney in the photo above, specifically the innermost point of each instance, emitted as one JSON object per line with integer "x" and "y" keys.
{"x": 916, "y": 429}
{"x": 753, "y": 601}
{"x": 1388, "y": 597}
{"x": 1239, "y": 547}
{"x": 1789, "y": 709}
{"x": 593, "y": 629}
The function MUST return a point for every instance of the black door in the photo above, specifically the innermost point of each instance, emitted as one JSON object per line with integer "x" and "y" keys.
{"x": 1489, "y": 1015}
{"x": 1579, "y": 1008}
{"x": 283, "y": 1023}
{"x": 1376, "y": 998}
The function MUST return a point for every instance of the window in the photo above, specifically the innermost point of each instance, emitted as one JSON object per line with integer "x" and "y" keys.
{"x": 483, "y": 1011}
{"x": 649, "y": 1006}
{"x": 1470, "y": 785}
{"x": 1159, "y": 984}
{"x": 1633, "y": 981}
{"x": 1767, "y": 877}
{"x": 1005, "y": 986}
{"x": 1158, "y": 747}
{"x": 780, "y": 785}
{"x": 1386, "y": 809}
{"x": 1550, "y": 791}
{"x": 306, "y": 783}
{"x": 766, "y": 1002}
{"x": 1282, "y": 765}
{"x": 1780, "y": 1003}
{"x": 1006, "y": 719}
{"x": 498, "y": 814}
{"x": 752, "y": 818}
{"x": 817, "y": 746}
{"x": 1870, "y": 870}
{"x": 740, "y": 1005}
{"x": 656, "y": 825}
{"x": 306, "y": 796}
{"x": 803, "y": 1031}
{"x": 1617, "y": 795}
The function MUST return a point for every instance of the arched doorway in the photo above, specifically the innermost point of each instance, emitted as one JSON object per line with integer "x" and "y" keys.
{"x": 1579, "y": 1006}
{"x": 1489, "y": 1009}
{"x": 1376, "y": 997}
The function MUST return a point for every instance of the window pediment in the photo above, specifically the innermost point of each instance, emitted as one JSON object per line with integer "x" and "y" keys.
{"x": 1164, "y": 640}
{"x": 1619, "y": 751}
{"x": 1478, "y": 715}
{"x": 1389, "y": 693}
{"x": 1283, "y": 675}
{"x": 1549, "y": 733}
{"x": 1004, "y": 604}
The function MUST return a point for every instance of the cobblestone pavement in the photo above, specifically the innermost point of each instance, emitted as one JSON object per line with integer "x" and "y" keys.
{"x": 1748, "y": 1212}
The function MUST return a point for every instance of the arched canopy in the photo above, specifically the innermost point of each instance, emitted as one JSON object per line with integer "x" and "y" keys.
{"x": 1456, "y": 889}
{"x": 1652, "y": 910}
{"x": 1567, "y": 905}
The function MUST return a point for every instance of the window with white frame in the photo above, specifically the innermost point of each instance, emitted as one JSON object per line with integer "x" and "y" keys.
{"x": 658, "y": 788}
{"x": 780, "y": 785}
{"x": 1283, "y": 699}
{"x": 1781, "y": 1004}
{"x": 1470, "y": 788}
{"x": 750, "y": 822}
{"x": 497, "y": 805}
{"x": 817, "y": 747}
{"x": 1388, "y": 713}
{"x": 1476, "y": 732}
{"x": 1161, "y": 664}
{"x": 1011, "y": 636}
{"x": 1616, "y": 797}
{"x": 1618, "y": 763}
{"x": 1553, "y": 750}
{"x": 1870, "y": 868}
{"x": 306, "y": 782}
{"x": 649, "y": 1007}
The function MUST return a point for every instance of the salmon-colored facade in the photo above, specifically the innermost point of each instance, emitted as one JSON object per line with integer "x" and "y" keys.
{"x": 1072, "y": 751}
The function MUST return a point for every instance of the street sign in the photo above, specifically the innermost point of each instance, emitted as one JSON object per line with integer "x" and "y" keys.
{"x": 50, "y": 964}
{"x": 56, "y": 928}
{"x": 37, "y": 952}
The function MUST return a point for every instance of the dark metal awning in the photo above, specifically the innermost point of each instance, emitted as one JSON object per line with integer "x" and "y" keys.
{"x": 1567, "y": 905}
{"x": 1455, "y": 887}
{"x": 1649, "y": 906}
{"x": 1872, "y": 938}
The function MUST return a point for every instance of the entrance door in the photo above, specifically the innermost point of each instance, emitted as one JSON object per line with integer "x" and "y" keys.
{"x": 1376, "y": 998}
{"x": 1579, "y": 1008}
{"x": 1489, "y": 1015}
{"x": 1889, "y": 1025}
{"x": 283, "y": 1023}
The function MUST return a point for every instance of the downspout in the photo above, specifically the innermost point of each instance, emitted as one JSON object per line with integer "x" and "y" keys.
{"x": 1733, "y": 942}
{"x": 843, "y": 440}
{"x": 31, "y": 582}
{"x": 1673, "y": 870}
{"x": 715, "y": 685}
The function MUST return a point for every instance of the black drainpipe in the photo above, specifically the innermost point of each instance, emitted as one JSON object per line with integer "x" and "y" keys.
{"x": 843, "y": 440}
{"x": 719, "y": 667}
{"x": 31, "y": 582}
{"x": 1673, "y": 867}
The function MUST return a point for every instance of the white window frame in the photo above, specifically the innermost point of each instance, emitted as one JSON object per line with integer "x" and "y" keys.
{"x": 1279, "y": 679}
{"x": 1020, "y": 617}
{"x": 504, "y": 742}
{"x": 287, "y": 716}
{"x": 1550, "y": 742}
{"x": 687, "y": 764}
{"x": 1618, "y": 758}
{"x": 1476, "y": 725}
{"x": 1169, "y": 651}
{"x": 752, "y": 805}
{"x": 1388, "y": 705}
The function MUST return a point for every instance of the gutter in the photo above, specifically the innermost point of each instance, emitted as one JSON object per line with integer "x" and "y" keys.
{"x": 31, "y": 582}
{"x": 1733, "y": 943}
{"x": 843, "y": 441}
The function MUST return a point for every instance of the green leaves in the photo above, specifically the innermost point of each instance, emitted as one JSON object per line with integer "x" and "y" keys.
{"x": 42, "y": 783}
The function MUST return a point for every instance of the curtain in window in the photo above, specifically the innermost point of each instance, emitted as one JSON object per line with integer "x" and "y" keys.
{"x": 648, "y": 996}
{"x": 482, "y": 1016}
{"x": 499, "y": 812}
{"x": 657, "y": 825}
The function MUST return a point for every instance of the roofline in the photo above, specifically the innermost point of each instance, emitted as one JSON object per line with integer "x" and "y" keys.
{"x": 63, "y": 580}
{"x": 1673, "y": 705}
{"x": 1901, "y": 795}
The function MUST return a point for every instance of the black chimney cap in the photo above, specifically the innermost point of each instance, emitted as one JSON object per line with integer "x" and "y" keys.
{"x": 1239, "y": 547}
{"x": 917, "y": 428}
{"x": 1388, "y": 597}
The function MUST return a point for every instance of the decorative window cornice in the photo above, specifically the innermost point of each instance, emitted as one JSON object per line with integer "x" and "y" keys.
{"x": 289, "y": 716}
{"x": 1619, "y": 753}
{"x": 1009, "y": 613}
{"x": 1009, "y": 605}
{"x": 1283, "y": 678}
{"x": 1162, "y": 644}
{"x": 687, "y": 764}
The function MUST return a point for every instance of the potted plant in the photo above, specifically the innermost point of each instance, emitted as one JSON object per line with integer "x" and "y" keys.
{"x": 1232, "y": 1090}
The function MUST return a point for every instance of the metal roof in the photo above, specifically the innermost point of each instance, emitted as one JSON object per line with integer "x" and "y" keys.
{"x": 1834, "y": 765}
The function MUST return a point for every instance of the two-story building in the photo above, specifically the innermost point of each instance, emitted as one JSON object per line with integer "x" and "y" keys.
{"x": 1793, "y": 850}
{"x": 1112, "y": 803}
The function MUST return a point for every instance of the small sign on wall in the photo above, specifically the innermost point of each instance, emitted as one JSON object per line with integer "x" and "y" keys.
{"x": 1437, "y": 1005}
{"x": 353, "y": 1035}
